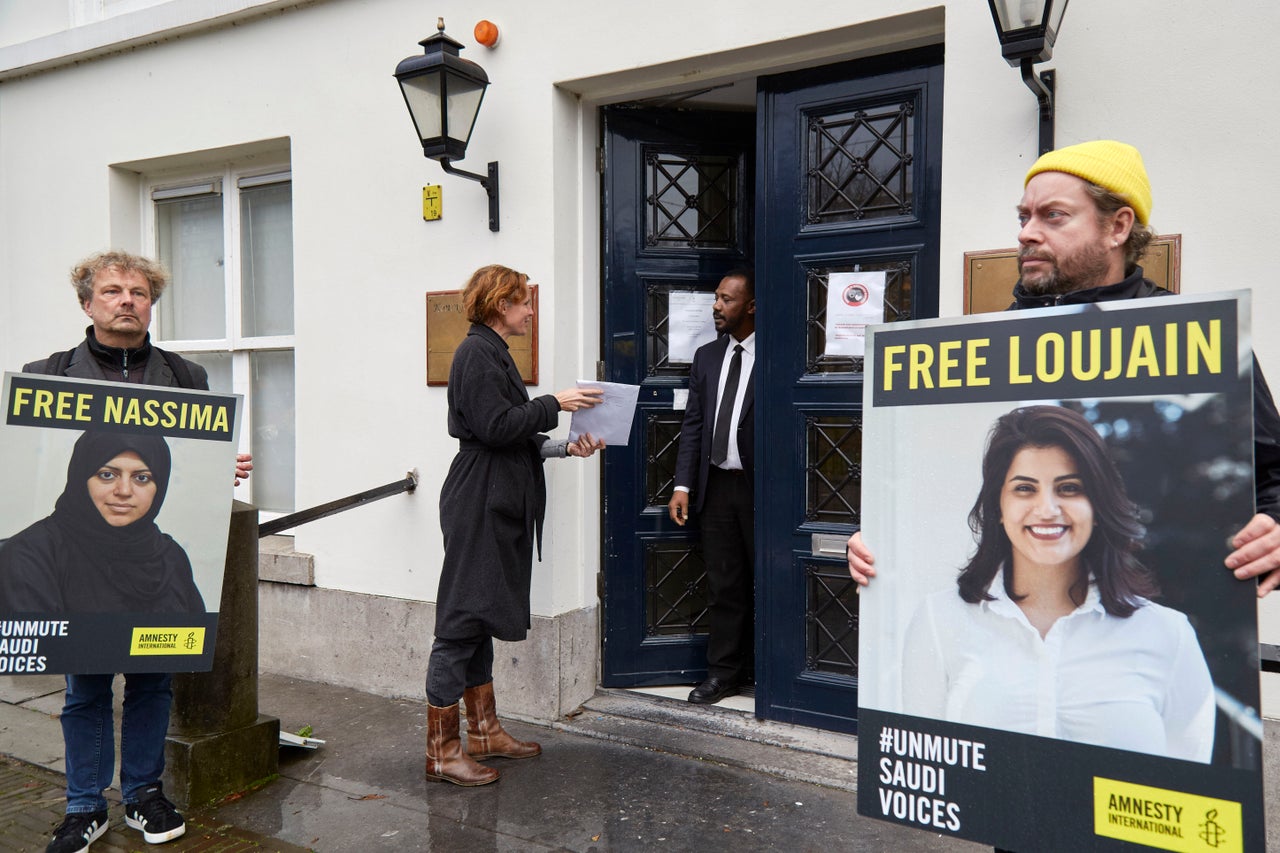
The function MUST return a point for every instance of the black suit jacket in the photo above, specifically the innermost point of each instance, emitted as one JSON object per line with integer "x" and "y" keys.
{"x": 694, "y": 459}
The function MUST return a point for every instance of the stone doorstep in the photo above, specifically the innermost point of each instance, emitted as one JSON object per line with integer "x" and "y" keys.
{"x": 279, "y": 563}
{"x": 723, "y": 736}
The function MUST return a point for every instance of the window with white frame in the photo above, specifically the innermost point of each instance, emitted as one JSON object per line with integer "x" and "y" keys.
{"x": 228, "y": 241}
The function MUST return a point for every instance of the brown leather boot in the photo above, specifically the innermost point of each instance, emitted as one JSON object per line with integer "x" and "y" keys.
{"x": 446, "y": 762}
{"x": 486, "y": 738}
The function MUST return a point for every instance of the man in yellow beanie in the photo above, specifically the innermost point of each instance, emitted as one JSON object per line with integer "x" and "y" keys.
{"x": 1084, "y": 216}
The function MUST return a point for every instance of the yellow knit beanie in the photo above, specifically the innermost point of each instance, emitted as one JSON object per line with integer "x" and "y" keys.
{"x": 1109, "y": 164}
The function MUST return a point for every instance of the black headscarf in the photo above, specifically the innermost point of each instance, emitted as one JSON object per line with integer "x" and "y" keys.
{"x": 78, "y": 517}
{"x": 133, "y": 568}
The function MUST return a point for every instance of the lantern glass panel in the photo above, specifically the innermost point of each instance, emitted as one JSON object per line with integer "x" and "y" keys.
{"x": 422, "y": 94}
{"x": 463, "y": 103}
{"x": 1020, "y": 14}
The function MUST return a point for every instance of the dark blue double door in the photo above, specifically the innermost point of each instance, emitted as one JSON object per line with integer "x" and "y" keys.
{"x": 836, "y": 171}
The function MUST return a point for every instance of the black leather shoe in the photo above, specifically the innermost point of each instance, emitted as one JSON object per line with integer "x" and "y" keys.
{"x": 712, "y": 691}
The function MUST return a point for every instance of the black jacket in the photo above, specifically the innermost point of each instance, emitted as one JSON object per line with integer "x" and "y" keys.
{"x": 1266, "y": 419}
{"x": 147, "y": 365}
{"x": 694, "y": 459}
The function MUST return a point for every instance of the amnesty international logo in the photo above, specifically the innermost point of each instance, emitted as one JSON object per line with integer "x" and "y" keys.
{"x": 1211, "y": 832}
{"x": 1164, "y": 819}
{"x": 167, "y": 641}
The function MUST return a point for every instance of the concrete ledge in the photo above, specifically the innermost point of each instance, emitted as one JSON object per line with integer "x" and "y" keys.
{"x": 279, "y": 563}
{"x": 380, "y": 645}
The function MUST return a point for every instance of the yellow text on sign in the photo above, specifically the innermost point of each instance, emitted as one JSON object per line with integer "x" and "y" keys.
{"x": 1167, "y": 820}
{"x": 167, "y": 641}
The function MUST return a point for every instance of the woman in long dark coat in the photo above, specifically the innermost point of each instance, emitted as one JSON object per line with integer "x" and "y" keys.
{"x": 491, "y": 510}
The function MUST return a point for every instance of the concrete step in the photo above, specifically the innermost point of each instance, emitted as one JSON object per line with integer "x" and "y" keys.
{"x": 724, "y": 736}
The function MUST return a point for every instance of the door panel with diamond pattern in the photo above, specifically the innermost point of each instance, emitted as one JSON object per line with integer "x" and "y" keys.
{"x": 677, "y": 216}
{"x": 850, "y": 167}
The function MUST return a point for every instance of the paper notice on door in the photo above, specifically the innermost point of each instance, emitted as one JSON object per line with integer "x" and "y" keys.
{"x": 689, "y": 324}
{"x": 854, "y": 300}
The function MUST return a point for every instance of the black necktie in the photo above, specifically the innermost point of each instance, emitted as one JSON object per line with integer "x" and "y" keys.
{"x": 724, "y": 418}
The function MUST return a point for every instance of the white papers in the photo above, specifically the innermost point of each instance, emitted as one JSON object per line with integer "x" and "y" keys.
{"x": 679, "y": 398}
{"x": 689, "y": 324}
{"x": 854, "y": 299}
{"x": 611, "y": 420}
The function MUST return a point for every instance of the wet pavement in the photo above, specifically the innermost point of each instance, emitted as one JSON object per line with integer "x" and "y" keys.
{"x": 365, "y": 790}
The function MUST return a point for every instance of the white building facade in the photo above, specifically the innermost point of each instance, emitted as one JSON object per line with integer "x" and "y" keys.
{"x": 263, "y": 149}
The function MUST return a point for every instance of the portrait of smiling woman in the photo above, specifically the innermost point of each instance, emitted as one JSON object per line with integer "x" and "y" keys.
{"x": 100, "y": 551}
{"x": 1051, "y": 629}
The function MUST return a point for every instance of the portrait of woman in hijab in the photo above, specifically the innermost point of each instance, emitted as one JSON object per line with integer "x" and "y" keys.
{"x": 100, "y": 551}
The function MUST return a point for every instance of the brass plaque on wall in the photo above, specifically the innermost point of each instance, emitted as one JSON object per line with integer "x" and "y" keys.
{"x": 989, "y": 276}
{"x": 447, "y": 325}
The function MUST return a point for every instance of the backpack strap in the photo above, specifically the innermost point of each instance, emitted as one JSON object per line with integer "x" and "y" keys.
{"x": 179, "y": 367}
{"x": 58, "y": 362}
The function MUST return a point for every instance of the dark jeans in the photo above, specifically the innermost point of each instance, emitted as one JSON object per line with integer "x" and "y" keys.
{"x": 456, "y": 665}
{"x": 728, "y": 546}
{"x": 89, "y": 738}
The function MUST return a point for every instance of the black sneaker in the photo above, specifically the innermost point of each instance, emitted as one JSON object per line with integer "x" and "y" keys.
{"x": 77, "y": 832}
{"x": 155, "y": 816}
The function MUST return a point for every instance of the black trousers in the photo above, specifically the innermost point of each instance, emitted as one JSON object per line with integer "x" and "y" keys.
{"x": 728, "y": 546}
{"x": 456, "y": 665}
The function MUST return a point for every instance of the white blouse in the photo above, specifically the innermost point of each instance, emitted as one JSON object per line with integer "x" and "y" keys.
{"x": 1139, "y": 683}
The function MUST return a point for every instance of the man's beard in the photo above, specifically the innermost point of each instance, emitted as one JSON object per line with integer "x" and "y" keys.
{"x": 1084, "y": 270}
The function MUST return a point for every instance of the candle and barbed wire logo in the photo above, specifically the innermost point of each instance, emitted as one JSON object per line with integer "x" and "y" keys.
{"x": 856, "y": 295}
{"x": 1212, "y": 833}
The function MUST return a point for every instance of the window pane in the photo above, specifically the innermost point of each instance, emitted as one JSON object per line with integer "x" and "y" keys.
{"x": 266, "y": 253}
{"x": 675, "y": 589}
{"x": 189, "y": 237}
{"x": 861, "y": 163}
{"x": 272, "y": 444}
{"x": 692, "y": 200}
{"x": 218, "y": 364}
{"x": 831, "y": 620}
{"x": 833, "y": 460}
{"x": 657, "y": 316}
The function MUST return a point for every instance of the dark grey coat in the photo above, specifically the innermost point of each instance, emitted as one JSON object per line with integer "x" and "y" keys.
{"x": 494, "y": 497}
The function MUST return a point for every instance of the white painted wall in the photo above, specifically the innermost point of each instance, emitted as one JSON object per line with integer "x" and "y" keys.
{"x": 1169, "y": 80}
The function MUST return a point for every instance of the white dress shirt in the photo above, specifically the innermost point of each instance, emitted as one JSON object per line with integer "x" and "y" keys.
{"x": 1138, "y": 683}
{"x": 733, "y": 460}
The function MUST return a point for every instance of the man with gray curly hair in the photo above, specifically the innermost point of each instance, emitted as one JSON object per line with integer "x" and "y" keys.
{"x": 117, "y": 290}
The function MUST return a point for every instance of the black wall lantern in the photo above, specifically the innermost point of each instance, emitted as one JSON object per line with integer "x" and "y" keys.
{"x": 443, "y": 92}
{"x": 1028, "y": 29}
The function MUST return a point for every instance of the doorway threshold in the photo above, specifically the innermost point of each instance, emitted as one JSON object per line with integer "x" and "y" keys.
{"x": 728, "y": 736}
{"x": 745, "y": 701}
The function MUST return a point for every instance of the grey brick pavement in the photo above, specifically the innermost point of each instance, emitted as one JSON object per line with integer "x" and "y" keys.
{"x": 32, "y": 804}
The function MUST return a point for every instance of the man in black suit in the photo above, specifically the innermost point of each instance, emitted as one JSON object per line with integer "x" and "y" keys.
{"x": 716, "y": 468}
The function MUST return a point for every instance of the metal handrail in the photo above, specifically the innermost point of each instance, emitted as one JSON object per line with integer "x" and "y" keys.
{"x": 285, "y": 522}
{"x": 1268, "y": 653}
{"x": 1269, "y": 657}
